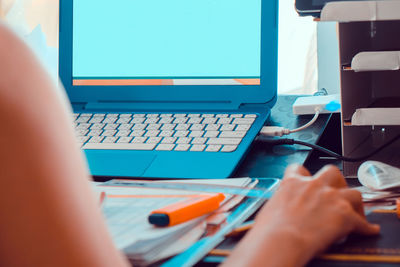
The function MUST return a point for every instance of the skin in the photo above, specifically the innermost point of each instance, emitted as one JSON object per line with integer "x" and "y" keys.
{"x": 305, "y": 216}
{"x": 51, "y": 218}
{"x": 49, "y": 214}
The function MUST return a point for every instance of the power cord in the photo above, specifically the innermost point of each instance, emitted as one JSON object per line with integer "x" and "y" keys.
{"x": 288, "y": 141}
{"x": 280, "y": 131}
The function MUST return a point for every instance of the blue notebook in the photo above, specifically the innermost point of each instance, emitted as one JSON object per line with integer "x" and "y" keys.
{"x": 203, "y": 71}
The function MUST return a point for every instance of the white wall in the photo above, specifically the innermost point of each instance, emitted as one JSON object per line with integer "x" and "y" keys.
{"x": 328, "y": 57}
{"x": 297, "y": 63}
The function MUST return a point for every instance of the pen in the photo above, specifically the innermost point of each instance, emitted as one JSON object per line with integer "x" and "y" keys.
{"x": 398, "y": 207}
{"x": 186, "y": 210}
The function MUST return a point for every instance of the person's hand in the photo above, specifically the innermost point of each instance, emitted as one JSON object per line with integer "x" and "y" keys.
{"x": 305, "y": 216}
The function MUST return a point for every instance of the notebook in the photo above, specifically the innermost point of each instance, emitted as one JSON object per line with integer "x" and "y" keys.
{"x": 203, "y": 71}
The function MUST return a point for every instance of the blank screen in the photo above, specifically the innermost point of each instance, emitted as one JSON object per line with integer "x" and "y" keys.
{"x": 166, "y": 42}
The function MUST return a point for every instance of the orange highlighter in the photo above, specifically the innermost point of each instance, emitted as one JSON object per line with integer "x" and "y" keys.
{"x": 186, "y": 210}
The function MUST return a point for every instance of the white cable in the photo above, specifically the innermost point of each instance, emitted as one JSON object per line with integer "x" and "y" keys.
{"x": 280, "y": 131}
{"x": 311, "y": 122}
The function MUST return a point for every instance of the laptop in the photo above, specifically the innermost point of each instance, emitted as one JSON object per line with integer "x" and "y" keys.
{"x": 168, "y": 88}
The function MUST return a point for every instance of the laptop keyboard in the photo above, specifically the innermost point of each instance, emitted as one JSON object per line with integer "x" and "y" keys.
{"x": 163, "y": 132}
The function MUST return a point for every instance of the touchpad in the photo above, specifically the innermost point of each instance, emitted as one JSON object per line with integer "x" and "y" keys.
{"x": 118, "y": 162}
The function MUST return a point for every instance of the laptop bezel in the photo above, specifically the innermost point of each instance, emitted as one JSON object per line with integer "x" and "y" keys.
{"x": 228, "y": 94}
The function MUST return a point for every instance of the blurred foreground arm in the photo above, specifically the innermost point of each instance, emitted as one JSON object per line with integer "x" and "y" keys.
{"x": 49, "y": 214}
{"x": 304, "y": 217}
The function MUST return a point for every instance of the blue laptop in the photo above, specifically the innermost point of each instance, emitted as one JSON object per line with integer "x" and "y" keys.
{"x": 168, "y": 88}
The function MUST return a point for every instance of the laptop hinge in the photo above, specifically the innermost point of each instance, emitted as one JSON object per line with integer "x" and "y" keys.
{"x": 146, "y": 106}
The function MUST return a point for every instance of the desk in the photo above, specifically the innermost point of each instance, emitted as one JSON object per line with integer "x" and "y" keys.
{"x": 271, "y": 162}
{"x": 263, "y": 161}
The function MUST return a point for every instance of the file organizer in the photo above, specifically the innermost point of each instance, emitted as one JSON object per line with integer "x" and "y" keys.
{"x": 369, "y": 44}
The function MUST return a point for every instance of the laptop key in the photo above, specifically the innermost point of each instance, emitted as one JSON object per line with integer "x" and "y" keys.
{"x": 124, "y": 140}
{"x": 168, "y": 140}
{"x": 139, "y": 126}
{"x": 222, "y": 115}
{"x": 139, "y": 115}
{"x": 183, "y": 140}
{"x": 123, "y": 133}
{"x": 96, "y": 139}
{"x": 182, "y": 127}
{"x": 224, "y": 141}
{"x": 109, "y": 133}
{"x": 211, "y": 134}
{"x": 167, "y": 127}
{"x": 83, "y": 126}
{"x": 86, "y": 114}
{"x": 180, "y": 120}
{"x": 82, "y": 119}
{"x": 111, "y": 126}
{"x": 250, "y": 116}
{"x": 151, "y": 133}
{"x": 181, "y": 133}
{"x": 152, "y": 120}
{"x": 243, "y": 127}
{"x": 167, "y": 133}
{"x": 227, "y": 127}
{"x": 127, "y": 126}
{"x": 96, "y": 120}
{"x": 213, "y": 148}
{"x": 196, "y": 133}
{"x": 213, "y": 127}
{"x": 139, "y": 140}
{"x": 166, "y": 120}
{"x": 94, "y": 132}
{"x": 137, "y": 133}
{"x": 97, "y": 126}
{"x": 137, "y": 120}
{"x": 125, "y": 115}
{"x": 153, "y": 127}
{"x": 197, "y": 148}
{"x": 110, "y": 139}
{"x": 228, "y": 148}
{"x": 195, "y": 120}
{"x": 109, "y": 119}
{"x": 182, "y": 147}
{"x": 209, "y": 121}
{"x": 165, "y": 147}
{"x": 236, "y": 115}
{"x": 179, "y": 115}
{"x": 118, "y": 146}
{"x": 224, "y": 120}
{"x": 197, "y": 127}
{"x": 154, "y": 140}
{"x": 232, "y": 134}
{"x": 243, "y": 121}
{"x": 199, "y": 141}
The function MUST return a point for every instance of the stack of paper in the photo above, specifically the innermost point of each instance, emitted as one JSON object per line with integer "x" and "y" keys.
{"x": 128, "y": 206}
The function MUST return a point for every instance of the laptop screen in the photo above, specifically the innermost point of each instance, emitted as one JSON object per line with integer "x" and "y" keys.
{"x": 166, "y": 42}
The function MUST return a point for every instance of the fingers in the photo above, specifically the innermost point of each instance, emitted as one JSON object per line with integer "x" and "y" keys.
{"x": 355, "y": 199}
{"x": 363, "y": 227}
{"x": 331, "y": 176}
{"x": 296, "y": 170}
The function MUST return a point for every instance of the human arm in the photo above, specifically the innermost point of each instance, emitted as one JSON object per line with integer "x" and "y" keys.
{"x": 303, "y": 218}
{"x": 49, "y": 214}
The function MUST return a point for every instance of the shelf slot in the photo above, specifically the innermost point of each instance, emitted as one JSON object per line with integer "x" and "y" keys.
{"x": 361, "y": 11}
{"x": 375, "y": 116}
